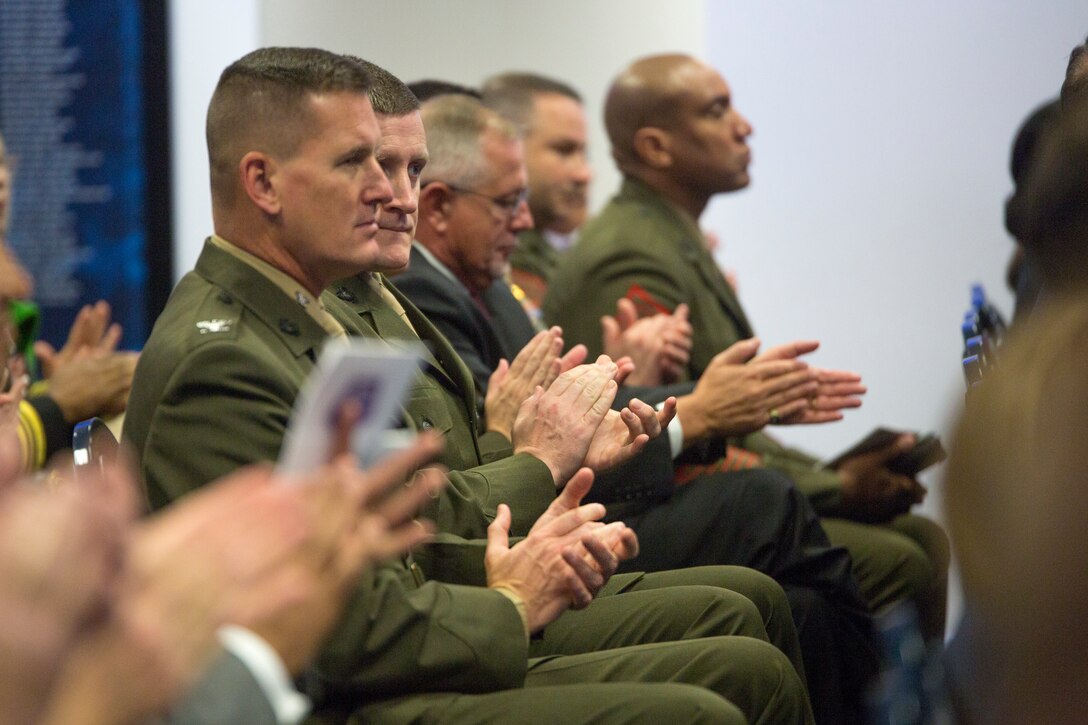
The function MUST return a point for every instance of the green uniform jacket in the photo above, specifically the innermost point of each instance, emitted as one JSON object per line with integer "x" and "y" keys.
{"x": 444, "y": 398}
{"x": 213, "y": 391}
{"x": 641, "y": 239}
{"x": 534, "y": 255}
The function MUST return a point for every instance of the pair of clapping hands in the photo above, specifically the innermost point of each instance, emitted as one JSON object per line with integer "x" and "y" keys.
{"x": 107, "y": 618}
{"x": 743, "y": 390}
{"x": 739, "y": 392}
{"x": 558, "y": 408}
{"x": 89, "y": 376}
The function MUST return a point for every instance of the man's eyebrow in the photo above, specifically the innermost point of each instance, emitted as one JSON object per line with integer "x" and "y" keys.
{"x": 357, "y": 153}
{"x": 719, "y": 100}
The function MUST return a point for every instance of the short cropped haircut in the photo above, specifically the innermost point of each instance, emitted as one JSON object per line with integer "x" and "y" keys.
{"x": 1055, "y": 211}
{"x": 1025, "y": 149}
{"x": 1076, "y": 75}
{"x": 430, "y": 88}
{"x": 389, "y": 95}
{"x": 455, "y": 124}
{"x": 511, "y": 94}
{"x": 260, "y": 103}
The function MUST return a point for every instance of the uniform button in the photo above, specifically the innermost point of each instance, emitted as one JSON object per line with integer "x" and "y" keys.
{"x": 224, "y": 297}
{"x": 425, "y": 424}
{"x": 288, "y": 327}
{"x": 345, "y": 294}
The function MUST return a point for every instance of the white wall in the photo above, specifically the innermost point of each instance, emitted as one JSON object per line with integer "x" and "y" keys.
{"x": 585, "y": 43}
{"x": 879, "y": 176}
{"x": 459, "y": 40}
{"x": 205, "y": 37}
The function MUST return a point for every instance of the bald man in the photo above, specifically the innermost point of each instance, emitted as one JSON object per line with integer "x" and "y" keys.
{"x": 679, "y": 141}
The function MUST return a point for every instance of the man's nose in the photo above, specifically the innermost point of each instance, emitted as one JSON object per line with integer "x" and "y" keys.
{"x": 377, "y": 190}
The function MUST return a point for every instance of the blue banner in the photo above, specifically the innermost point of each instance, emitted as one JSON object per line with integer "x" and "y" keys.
{"x": 72, "y": 100}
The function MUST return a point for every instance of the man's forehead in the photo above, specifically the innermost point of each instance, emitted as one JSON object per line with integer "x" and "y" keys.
{"x": 554, "y": 112}
{"x": 497, "y": 144}
{"x": 409, "y": 124}
{"x": 699, "y": 82}
{"x": 402, "y": 136}
{"x": 344, "y": 111}
{"x": 546, "y": 101}
{"x": 334, "y": 101}
{"x": 504, "y": 157}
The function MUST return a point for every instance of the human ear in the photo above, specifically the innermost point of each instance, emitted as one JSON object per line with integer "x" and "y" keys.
{"x": 257, "y": 172}
{"x": 653, "y": 146}
{"x": 435, "y": 202}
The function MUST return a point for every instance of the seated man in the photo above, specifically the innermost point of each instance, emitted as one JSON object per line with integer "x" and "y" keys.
{"x": 1016, "y": 507}
{"x": 679, "y": 141}
{"x": 295, "y": 187}
{"x": 459, "y": 255}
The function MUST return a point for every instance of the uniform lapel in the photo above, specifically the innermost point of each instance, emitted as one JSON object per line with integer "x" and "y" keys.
{"x": 377, "y": 318}
{"x": 299, "y": 332}
{"x": 692, "y": 248}
{"x": 450, "y": 368}
{"x": 704, "y": 263}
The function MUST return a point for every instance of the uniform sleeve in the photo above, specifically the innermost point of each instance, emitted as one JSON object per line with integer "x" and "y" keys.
{"x": 223, "y": 407}
{"x": 471, "y": 500}
{"x": 226, "y": 692}
{"x": 439, "y": 637}
{"x": 31, "y": 433}
{"x": 612, "y": 278}
{"x": 42, "y": 430}
{"x": 494, "y": 446}
{"x": 647, "y": 476}
{"x": 454, "y": 318}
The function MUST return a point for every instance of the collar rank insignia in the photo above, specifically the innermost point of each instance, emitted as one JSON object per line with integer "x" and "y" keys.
{"x": 206, "y": 326}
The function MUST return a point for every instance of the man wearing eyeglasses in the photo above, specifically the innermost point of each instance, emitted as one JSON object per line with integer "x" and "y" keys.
{"x": 468, "y": 229}
{"x": 476, "y": 247}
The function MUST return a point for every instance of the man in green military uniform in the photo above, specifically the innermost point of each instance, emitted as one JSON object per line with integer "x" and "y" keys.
{"x": 551, "y": 117}
{"x": 679, "y": 141}
{"x": 295, "y": 187}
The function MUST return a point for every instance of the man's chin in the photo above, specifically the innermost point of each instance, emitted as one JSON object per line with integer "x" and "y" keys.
{"x": 395, "y": 247}
{"x": 390, "y": 268}
{"x": 393, "y": 237}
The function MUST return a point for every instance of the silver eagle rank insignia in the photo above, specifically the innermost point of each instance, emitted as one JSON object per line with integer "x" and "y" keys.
{"x": 206, "y": 326}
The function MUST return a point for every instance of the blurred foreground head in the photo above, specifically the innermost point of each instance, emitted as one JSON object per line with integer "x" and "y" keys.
{"x": 1055, "y": 202}
{"x": 1017, "y": 505}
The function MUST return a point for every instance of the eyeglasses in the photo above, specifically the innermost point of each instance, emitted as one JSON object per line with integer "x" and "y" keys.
{"x": 508, "y": 204}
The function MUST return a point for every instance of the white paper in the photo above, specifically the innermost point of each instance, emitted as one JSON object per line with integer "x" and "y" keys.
{"x": 371, "y": 372}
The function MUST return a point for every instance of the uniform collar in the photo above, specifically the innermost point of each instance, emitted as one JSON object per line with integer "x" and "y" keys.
{"x": 315, "y": 308}
{"x": 300, "y": 332}
{"x": 691, "y": 245}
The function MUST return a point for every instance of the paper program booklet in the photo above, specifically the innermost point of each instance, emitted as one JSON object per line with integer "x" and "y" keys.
{"x": 367, "y": 371}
